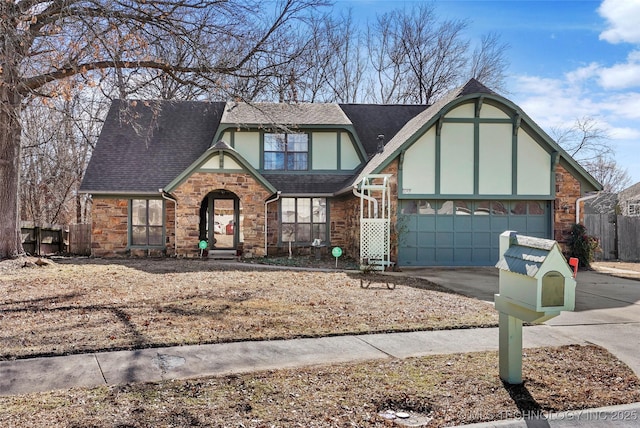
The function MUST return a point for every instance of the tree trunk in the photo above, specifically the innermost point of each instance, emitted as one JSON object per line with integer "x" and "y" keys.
{"x": 10, "y": 128}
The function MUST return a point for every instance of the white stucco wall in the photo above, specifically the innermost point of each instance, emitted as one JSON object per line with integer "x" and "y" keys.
{"x": 419, "y": 166}
{"x": 456, "y": 159}
{"x": 495, "y": 159}
{"x": 324, "y": 146}
{"x": 247, "y": 144}
{"x": 534, "y": 166}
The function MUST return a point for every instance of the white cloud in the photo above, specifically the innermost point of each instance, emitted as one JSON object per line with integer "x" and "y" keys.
{"x": 625, "y": 106}
{"x": 557, "y": 103}
{"x": 552, "y": 102}
{"x": 584, "y": 73}
{"x": 622, "y": 18}
{"x": 624, "y": 133}
{"x": 620, "y": 76}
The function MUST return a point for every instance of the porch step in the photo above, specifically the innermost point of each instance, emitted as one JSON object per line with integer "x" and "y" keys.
{"x": 223, "y": 254}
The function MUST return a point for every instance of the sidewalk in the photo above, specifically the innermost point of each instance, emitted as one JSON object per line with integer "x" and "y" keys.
{"x": 155, "y": 364}
{"x": 149, "y": 365}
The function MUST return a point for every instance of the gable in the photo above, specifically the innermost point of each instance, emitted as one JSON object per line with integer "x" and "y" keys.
{"x": 478, "y": 149}
{"x": 475, "y": 145}
{"x": 219, "y": 158}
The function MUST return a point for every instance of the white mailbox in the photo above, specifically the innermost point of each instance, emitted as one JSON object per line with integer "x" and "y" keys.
{"x": 536, "y": 282}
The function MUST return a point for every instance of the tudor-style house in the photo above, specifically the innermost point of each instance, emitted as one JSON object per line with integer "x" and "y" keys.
{"x": 257, "y": 179}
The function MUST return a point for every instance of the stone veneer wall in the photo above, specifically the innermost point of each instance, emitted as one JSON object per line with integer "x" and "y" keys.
{"x": 345, "y": 218}
{"x": 170, "y": 227}
{"x": 564, "y": 208}
{"x": 109, "y": 217}
{"x": 192, "y": 191}
{"x": 344, "y": 225}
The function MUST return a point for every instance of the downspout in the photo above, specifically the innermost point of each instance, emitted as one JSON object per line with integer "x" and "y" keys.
{"x": 265, "y": 219}
{"x": 584, "y": 198}
{"x": 167, "y": 197}
{"x": 368, "y": 198}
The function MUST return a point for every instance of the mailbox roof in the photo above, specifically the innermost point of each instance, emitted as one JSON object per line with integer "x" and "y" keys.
{"x": 526, "y": 255}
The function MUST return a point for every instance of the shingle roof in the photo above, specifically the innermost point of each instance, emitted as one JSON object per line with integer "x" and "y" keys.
{"x": 304, "y": 114}
{"x": 526, "y": 255}
{"x": 407, "y": 131}
{"x": 311, "y": 184}
{"x": 630, "y": 192}
{"x": 145, "y": 145}
{"x": 371, "y": 120}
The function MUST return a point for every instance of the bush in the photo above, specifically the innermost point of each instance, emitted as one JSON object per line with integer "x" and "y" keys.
{"x": 581, "y": 245}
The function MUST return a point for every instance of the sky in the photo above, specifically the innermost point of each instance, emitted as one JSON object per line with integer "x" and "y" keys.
{"x": 569, "y": 59}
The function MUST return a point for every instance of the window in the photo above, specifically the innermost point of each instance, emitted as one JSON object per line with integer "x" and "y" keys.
{"x": 146, "y": 223}
{"x": 288, "y": 152}
{"x": 304, "y": 219}
{"x": 634, "y": 208}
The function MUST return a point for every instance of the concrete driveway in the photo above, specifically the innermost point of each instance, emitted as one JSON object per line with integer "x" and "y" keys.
{"x": 607, "y": 311}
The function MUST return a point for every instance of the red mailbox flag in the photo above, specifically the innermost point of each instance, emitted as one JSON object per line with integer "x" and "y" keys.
{"x": 573, "y": 262}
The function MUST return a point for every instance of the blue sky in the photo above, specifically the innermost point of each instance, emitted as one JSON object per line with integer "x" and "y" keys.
{"x": 568, "y": 59}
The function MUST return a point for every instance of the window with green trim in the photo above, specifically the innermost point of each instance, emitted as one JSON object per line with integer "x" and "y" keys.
{"x": 303, "y": 220}
{"x": 286, "y": 152}
{"x": 146, "y": 223}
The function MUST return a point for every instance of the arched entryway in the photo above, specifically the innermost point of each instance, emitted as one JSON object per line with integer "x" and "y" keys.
{"x": 220, "y": 215}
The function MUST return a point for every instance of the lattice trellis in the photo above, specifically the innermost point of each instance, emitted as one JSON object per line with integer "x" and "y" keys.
{"x": 374, "y": 238}
{"x": 375, "y": 224}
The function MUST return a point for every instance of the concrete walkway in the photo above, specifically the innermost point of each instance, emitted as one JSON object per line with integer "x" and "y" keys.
{"x": 89, "y": 370}
{"x": 607, "y": 313}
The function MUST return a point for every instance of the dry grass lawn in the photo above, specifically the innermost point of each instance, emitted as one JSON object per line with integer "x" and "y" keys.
{"x": 89, "y": 305}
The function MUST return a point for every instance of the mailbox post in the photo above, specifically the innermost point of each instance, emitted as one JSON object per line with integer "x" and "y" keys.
{"x": 535, "y": 285}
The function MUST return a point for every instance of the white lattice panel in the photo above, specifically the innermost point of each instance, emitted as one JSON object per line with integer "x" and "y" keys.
{"x": 374, "y": 238}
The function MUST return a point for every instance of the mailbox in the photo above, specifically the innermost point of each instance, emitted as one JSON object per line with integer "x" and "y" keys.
{"x": 536, "y": 284}
{"x": 535, "y": 278}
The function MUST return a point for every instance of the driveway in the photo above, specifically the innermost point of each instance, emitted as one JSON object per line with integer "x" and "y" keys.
{"x": 607, "y": 311}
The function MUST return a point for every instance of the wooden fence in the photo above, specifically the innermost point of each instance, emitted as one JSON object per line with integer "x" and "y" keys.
{"x": 628, "y": 238}
{"x": 80, "y": 239}
{"x": 55, "y": 239}
{"x": 619, "y": 236}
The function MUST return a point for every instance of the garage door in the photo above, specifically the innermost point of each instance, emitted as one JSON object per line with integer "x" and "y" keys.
{"x": 464, "y": 233}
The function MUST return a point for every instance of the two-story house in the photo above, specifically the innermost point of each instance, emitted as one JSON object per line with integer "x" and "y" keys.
{"x": 258, "y": 178}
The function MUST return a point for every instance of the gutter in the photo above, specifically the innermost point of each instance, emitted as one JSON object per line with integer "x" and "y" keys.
{"x": 168, "y": 197}
{"x": 265, "y": 219}
{"x": 584, "y": 198}
{"x": 118, "y": 193}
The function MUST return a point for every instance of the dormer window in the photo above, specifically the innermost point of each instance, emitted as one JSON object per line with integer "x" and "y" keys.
{"x": 286, "y": 152}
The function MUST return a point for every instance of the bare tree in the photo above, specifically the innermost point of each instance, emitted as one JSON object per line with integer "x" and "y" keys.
{"x": 590, "y": 145}
{"x": 346, "y": 70}
{"x": 585, "y": 140}
{"x": 489, "y": 63}
{"x": 612, "y": 177}
{"x": 416, "y": 58}
{"x": 44, "y": 42}
{"x": 57, "y": 141}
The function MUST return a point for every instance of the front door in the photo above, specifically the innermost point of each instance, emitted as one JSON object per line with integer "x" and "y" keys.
{"x": 219, "y": 217}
